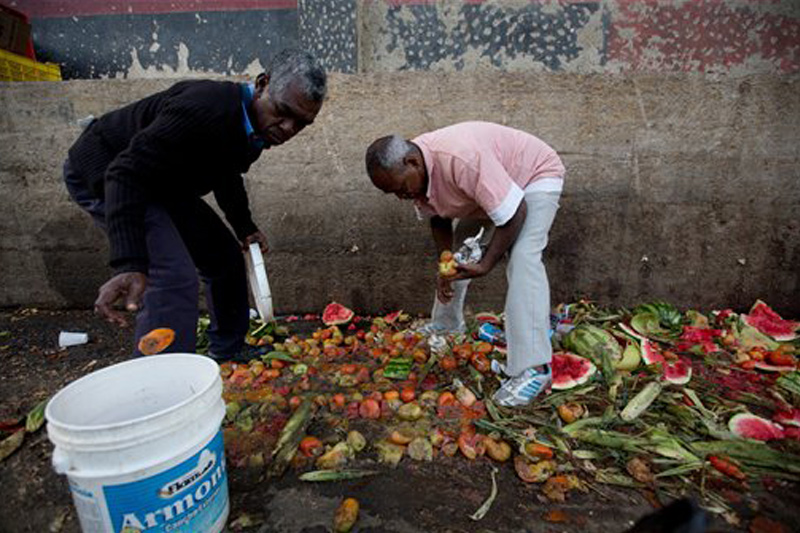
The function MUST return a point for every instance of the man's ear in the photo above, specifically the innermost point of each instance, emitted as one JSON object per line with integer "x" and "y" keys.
{"x": 412, "y": 159}
{"x": 262, "y": 80}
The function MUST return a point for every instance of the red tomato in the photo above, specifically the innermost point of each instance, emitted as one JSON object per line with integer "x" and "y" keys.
{"x": 448, "y": 363}
{"x": 391, "y": 395}
{"x": 446, "y": 398}
{"x": 310, "y": 446}
{"x": 338, "y": 401}
{"x": 369, "y": 409}
{"x": 481, "y": 363}
{"x": 408, "y": 394}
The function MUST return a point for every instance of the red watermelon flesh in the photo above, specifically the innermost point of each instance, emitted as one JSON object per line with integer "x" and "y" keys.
{"x": 766, "y": 367}
{"x": 650, "y": 353}
{"x": 570, "y": 370}
{"x": 336, "y": 314}
{"x": 767, "y": 321}
{"x": 788, "y": 418}
{"x": 391, "y": 318}
{"x": 490, "y": 318}
{"x": 754, "y": 427}
{"x": 678, "y": 372}
{"x": 792, "y": 433}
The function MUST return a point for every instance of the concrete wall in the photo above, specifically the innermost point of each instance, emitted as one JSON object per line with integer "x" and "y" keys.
{"x": 179, "y": 38}
{"x": 681, "y": 187}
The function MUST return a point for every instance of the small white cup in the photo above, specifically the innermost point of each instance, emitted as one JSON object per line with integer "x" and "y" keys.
{"x": 72, "y": 338}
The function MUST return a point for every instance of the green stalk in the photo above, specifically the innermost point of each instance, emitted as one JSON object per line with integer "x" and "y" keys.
{"x": 335, "y": 475}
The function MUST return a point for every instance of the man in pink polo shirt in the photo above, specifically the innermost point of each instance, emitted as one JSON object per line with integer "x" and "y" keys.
{"x": 508, "y": 181}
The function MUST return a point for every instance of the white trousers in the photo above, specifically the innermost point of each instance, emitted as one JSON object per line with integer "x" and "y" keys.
{"x": 527, "y": 307}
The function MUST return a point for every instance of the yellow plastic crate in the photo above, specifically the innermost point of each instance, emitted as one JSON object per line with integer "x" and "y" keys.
{"x": 14, "y": 67}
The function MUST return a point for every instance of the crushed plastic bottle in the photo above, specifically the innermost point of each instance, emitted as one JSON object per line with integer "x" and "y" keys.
{"x": 470, "y": 251}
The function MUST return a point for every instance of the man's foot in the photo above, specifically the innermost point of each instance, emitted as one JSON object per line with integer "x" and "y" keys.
{"x": 431, "y": 328}
{"x": 522, "y": 389}
{"x": 247, "y": 354}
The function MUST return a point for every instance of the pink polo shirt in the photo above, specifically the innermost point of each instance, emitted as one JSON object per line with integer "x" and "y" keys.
{"x": 481, "y": 170}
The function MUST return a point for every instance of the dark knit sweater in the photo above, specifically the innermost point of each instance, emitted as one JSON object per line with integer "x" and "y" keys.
{"x": 188, "y": 140}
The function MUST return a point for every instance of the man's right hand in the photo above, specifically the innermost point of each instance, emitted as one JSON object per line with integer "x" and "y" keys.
{"x": 129, "y": 286}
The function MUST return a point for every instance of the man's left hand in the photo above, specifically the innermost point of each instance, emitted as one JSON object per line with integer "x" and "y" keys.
{"x": 258, "y": 237}
{"x": 471, "y": 270}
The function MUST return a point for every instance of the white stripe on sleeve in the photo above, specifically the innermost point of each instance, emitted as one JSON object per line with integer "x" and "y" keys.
{"x": 508, "y": 208}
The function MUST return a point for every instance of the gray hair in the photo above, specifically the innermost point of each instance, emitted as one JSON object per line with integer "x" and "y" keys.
{"x": 387, "y": 153}
{"x": 293, "y": 64}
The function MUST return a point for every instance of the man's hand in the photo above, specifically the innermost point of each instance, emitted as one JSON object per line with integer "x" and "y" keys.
{"x": 444, "y": 284}
{"x": 130, "y": 286}
{"x": 471, "y": 270}
{"x": 258, "y": 237}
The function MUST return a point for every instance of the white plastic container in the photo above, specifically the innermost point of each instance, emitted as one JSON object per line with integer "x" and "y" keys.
{"x": 259, "y": 284}
{"x": 141, "y": 445}
{"x": 72, "y": 338}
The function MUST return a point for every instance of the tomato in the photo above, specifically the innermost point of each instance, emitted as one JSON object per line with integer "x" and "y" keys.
{"x": 534, "y": 449}
{"x": 391, "y": 395}
{"x": 377, "y": 352}
{"x": 484, "y": 348}
{"x": 338, "y": 401}
{"x": 295, "y": 401}
{"x": 310, "y": 446}
{"x": 408, "y": 394}
{"x": 780, "y": 358}
{"x": 363, "y": 375}
{"x": 369, "y": 409}
{"x": 271, "y": 373}
{"x": 463, "y": 351}
{"x": 420, "y": 356}
{"x": 481, "y": 363}
{"x": 471, "y": 445}
{"x": 448, "y": 363}
{"x": 446, "y": 398}
{"x": 349, "y": 369}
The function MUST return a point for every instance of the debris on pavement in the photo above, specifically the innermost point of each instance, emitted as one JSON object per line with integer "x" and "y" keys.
{"x": 652, "y": 398}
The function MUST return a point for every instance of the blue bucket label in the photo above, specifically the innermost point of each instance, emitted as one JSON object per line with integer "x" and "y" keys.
{"x": 189, "y": 497}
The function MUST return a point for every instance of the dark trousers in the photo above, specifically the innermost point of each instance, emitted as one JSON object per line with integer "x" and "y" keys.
{"x": 185, "y": 240}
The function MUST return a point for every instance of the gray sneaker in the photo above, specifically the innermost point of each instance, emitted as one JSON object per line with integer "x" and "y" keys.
{"x": 522, "y": 389}
{"x": 431, "y": 328}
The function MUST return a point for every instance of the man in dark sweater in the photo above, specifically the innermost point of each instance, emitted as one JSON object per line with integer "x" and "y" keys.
{"x": 141, "y": 171}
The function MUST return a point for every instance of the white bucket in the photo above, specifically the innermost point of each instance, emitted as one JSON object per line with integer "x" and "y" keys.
{"x": 141, "y": 445}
